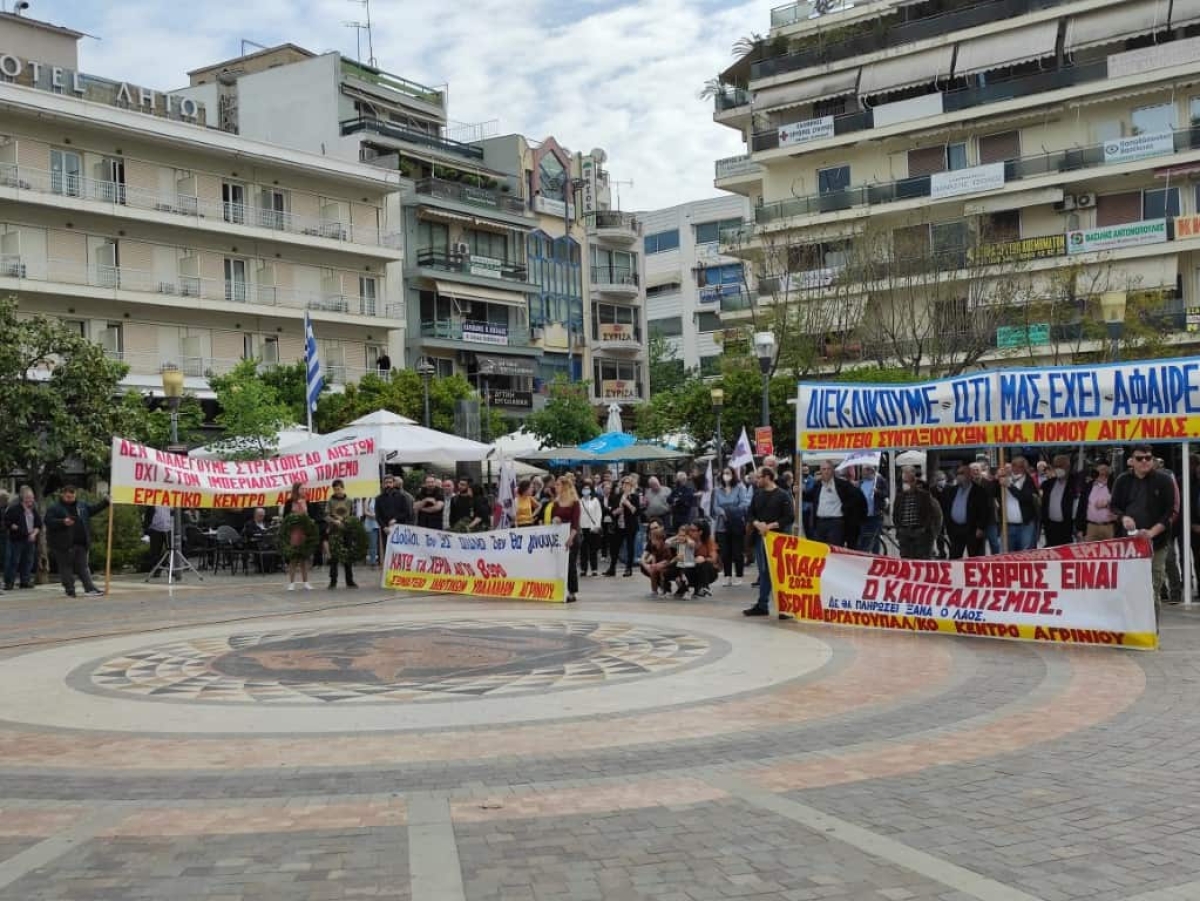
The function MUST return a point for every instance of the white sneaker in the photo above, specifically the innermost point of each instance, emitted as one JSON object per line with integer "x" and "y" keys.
{"x": 291, "y": 586}
{"x": 729, "y": 583}
{"x": 737, "y": 583}
{"x": 308, "y": 586}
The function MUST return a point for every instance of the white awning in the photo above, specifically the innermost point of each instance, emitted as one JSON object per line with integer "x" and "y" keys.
{"x": 1184, "y": 12}
{"x": 1007, "y": 48}
{"x": 1116, "y": 23}
{"x": 487, "y": 295}
{"x": 899, "y": 72}
{"x": 444, "y": 216}
{"x": 831, "y": 84}
{"x": 658, "y": 279}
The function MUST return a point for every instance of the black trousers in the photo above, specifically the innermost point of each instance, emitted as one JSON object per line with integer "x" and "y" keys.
{"x": 701, "y": 575}
{"x": 573, "y": 568}
{"x": 333, "y": 573}
{"x": 1058, "y": 533}
{"x": 590, "y": 551}
{"x": 962, "y": 539}
{"x": 72, "y": 562}
{"x": 620, "y": 537}
{"x": 158, "y": 546}
{"x": 732, "y": 544}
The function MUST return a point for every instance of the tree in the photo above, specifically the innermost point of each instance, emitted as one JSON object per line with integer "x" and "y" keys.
{"x": 667, "y": 371}
{"x": 290, "y": 382}
{"x": 251, "y": 413}
{"x": 152, "y": 426}
{"x": 56, "y": 393}
{"x": 568, "y": 417}
{"x": 402, "y": 391}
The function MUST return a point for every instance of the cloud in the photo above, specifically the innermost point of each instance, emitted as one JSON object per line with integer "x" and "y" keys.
{"x": 599, "y": 73}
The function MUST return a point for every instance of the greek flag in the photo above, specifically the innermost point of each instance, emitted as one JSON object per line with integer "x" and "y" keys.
{"x": 312, "y": 363}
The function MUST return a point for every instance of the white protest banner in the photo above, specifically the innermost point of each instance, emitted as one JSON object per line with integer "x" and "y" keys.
{"x": 1149, "y": 400}
{"x": 520, "y": 564}
{"x": 966, "y": 181}
{"x": 1097, "y": 593}
{"x": 145, "y": 476}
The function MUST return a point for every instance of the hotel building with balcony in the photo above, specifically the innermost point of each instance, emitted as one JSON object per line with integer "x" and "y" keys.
{"x": 502, "y": 253}
{"x": 689, "y": 282}
{"x": 967, "y": 140}
{"x": 127, "y": 213}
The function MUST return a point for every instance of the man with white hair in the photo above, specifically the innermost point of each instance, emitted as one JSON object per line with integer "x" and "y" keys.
{"x": 918, "y": 518}
{"x": 839, "y": 506}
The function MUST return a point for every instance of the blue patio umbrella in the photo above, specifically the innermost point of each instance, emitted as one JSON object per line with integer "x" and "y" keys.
{"x": 609, "y": 441}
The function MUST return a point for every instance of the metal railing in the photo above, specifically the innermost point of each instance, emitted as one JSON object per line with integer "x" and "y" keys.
{"x": 468, "y": 194}
{"x": 152, "y": 363}
{"x": 730, "y": 97}
{"x": 736, "y": 303}
{"x": 620, "y": 279}
{"x": 399, "y": 132}
{"x": 738, "y": 235}
{"x": 614, "y": 220}
{"x": 881, "y": 33}
{"x": 452, "y": 330}
{"x": 791, "y": 13}
{"x": 195, "y": 288}
{"x": 117, "y": 194}
{"x": 412, "y": 89}
{"x": 1075, "y": 159}
{"x": 467, "y": 264}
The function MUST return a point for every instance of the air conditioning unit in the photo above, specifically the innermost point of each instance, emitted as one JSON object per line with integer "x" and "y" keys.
{"x": 462, "y": 248}
{"x": 1085, "y": 201}
{"x": 1066, "y": 205}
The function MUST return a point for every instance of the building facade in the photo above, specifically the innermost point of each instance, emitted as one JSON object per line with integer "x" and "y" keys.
{"x": 982, "y": 175}
{"x": 689, "y": 282}
{"x": 126, "y": 213}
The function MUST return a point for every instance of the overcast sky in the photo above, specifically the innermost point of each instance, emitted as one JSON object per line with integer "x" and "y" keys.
{"x": 594, "y": 73}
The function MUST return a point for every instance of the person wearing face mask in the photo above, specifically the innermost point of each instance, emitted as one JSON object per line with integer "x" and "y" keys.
{"x": 730, "y": 505}
{"x": 591, "y": 530}
{"x": 1014, "y": 488}
{"x": 966, "y": 511}
{"x": 1059, "y": 494}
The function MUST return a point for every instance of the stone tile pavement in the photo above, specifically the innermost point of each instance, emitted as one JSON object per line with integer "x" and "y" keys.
{"x": 889, "y": 768}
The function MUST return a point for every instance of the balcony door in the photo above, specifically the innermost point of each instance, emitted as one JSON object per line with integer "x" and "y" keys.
{"x": 233, "y": 202}
{"x": 66, "y": 172}
{"x": 108, "y": 265}
{"x": 235, "y": 280}
{"x": 111, "y": 177}
{"x": 274, "y": 209}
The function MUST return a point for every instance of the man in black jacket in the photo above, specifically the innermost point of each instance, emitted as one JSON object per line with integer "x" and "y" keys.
{"x": 839, "y": 509}
{"x": 771, "y": 510}
{"x": 69, "y": 534}
{"x": 966, "y": 508}
{"x": 22, "y": 525}
{"x": 1059, "y": 493}
{"x": 1146, "y": 503}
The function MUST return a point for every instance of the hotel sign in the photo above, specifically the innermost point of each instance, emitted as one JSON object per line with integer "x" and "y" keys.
{"x": 59, "y": 80}
{"x": 617, "y": 389}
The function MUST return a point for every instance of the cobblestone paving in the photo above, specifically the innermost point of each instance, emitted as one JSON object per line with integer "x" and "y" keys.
{"x": 892, "y": 768}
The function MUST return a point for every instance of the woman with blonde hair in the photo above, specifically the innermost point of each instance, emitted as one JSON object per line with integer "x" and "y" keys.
{"x": 566, "y": 511}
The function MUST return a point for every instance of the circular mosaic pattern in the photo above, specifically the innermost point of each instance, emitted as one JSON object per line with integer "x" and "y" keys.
{"x": 400, "y": 662}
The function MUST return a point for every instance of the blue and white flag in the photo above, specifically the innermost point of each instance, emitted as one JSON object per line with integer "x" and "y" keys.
{"x": 312, "y": 364}
{"x": 742, "y": 455}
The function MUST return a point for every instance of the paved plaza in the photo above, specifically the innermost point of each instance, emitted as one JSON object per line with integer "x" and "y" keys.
{"x": 234, "y": 741}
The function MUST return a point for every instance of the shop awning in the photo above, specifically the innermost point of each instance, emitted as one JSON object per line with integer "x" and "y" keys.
{"x": 1184, "y": 12}
{"x": 658, "y": 279}
{"x": 1008, "y": 48}
{"x": 899, "y": 72}
{"x": 831, "y": 84}
{"x": 484, "y": 295}
{"x": 444, "y": 216}
{"x": 1116, "y": 23}
{"x": 1177, "y": 171}
{"x": 490, "y": 364}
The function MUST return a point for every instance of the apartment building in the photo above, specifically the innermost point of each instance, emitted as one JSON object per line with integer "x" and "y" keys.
{"x": 498, "y": 233}
{"x": 1013, "y": 155}
{"x": 126, "y": 213}
{"x": 689, "y": 282}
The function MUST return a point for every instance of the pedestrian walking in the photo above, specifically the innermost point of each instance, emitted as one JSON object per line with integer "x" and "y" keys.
{"x": 69, "y": 534}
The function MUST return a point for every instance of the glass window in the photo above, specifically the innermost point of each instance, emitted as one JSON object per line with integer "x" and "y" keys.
{"x": 552, "y": 177}
{"x": 659, "y": 290}
{"x": 956, "y": 156}
{"x": 1194, "y": 111}
{"x": 1160, "y": 204}
{"x": 710, "y": 232}
{"x": 708, "y": 322}
{"x": 661, "y": 242}
{"x": 1153, "y": 119}
{"x": 66, "y": 169}
{"x": 487, "y": 244}
{"x": 836, "y": 178}
{"x": 670, "y": 327}
{"x": 710, "y": 365}
{"x": 433, "y": 235}
{"x": 1107, "y": 131}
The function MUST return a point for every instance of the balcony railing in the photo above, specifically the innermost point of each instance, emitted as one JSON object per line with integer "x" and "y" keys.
{"x": 917, "y": 187}
{"x": 614, "y": 220}
{"x": 196, "y": 289}
{"x": 480, "y": 197}
{"x": 619, "y": 278}
{"x": 468, "y": 264}
{"x": 730, "y": 98}
{"x": 452, "y": 330}
{"x": 398, "y": 132}
{"x": 186, "y": 206}
{"x": 152, "y": 363}
{"x": 965, "y": 98}
{"x": 412, "y": 89}
{"x": 883, "y": 33}
{"x": 736, "y": 303}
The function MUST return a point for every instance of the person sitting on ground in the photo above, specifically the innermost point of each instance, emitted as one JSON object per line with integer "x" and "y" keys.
{"x": 658, "y": 561}
{"x": 707, "y": 560}
{"x": 683, "y": 543}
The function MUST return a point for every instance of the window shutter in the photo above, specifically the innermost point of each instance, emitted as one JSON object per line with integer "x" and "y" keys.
{"x": 1000, "y": 148}
{"x": 1117, "y": 209}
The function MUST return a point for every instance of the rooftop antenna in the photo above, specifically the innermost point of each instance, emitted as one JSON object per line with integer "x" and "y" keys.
{"x": 617, "y": 185}
{"x": 359, "y": 28}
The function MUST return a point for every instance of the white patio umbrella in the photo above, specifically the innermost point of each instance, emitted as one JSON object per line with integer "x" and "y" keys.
{"x": 285, "y": 439}
{"x": 614, "y": 419}
{"x": 400, "y": 440}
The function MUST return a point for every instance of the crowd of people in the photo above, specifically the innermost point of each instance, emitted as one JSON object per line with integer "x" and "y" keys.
{"x": 982, "y": 509}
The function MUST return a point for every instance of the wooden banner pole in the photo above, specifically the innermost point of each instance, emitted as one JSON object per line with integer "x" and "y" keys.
{"x": 112, "y": 515}
{"x": 1003, "y": 495}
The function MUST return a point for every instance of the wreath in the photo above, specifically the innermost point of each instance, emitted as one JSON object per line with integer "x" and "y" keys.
{"x": 298, "y": 537}
{"x": 348, "y": 544}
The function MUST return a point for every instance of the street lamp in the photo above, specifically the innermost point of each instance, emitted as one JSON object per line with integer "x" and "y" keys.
{"x": 764, "y": 349}
{"x": 172, "y": 385}
{"x": 1112, "y": 311}
{"x": 718, "y": 401}
{"x": 426, "y": 369}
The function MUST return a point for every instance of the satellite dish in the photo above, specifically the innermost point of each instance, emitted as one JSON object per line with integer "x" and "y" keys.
{"x": 598, "y": 155}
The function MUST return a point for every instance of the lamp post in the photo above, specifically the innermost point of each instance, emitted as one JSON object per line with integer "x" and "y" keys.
{"x": 764, "y": 349}
{"x": 426, "y": 369}
{"x": 172, "y": 385}
{"x": 718, "y": 402}
{"x": 1112, "y": 311}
